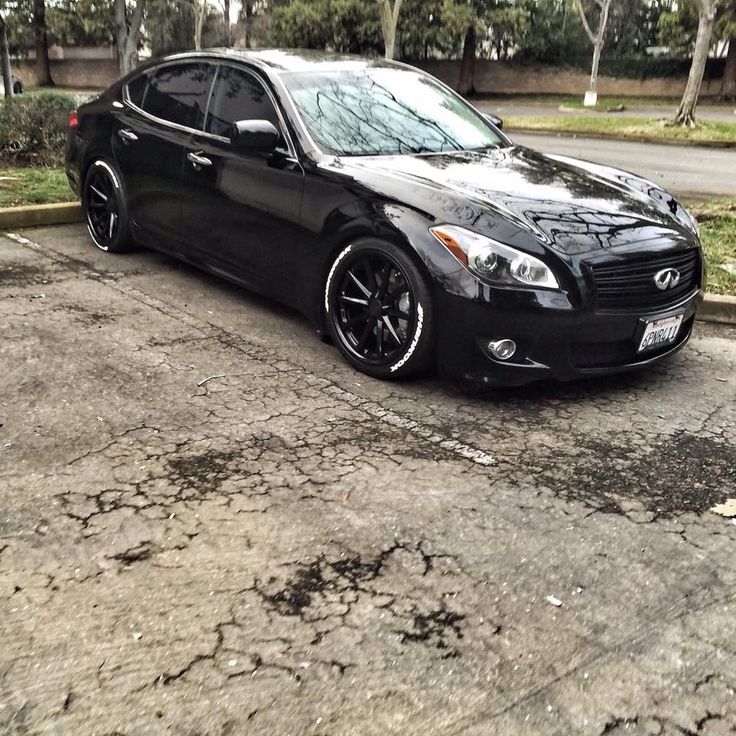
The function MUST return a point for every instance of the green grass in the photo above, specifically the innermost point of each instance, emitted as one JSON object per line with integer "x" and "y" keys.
{"x": 649, "y": 129}
{"x": 19, "y": 186}
{"x": 718, "y": 234}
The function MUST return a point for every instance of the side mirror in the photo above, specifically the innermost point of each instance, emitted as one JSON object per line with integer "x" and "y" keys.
{"x": 254, "y": 136}
{"x": 494, "y": 120}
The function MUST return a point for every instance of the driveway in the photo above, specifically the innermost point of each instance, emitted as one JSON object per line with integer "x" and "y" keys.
{"x": 692, "y": 171}
{"x": 210, "y": 525}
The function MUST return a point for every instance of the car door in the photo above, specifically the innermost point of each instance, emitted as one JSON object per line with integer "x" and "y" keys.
{"x": 150, "y": 142}
{"x": 241, "y": 211}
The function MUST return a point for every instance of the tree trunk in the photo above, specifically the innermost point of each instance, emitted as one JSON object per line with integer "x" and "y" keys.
{"x": 127, "y": 34}
{"x": 466, "y": 84}
{"x": 226, "y": 13}
{"x": 389, "y": 23}
{"x": 728, "y": 83}
{"x": 685, "y": 114}
{"x": 199, "y": 15}
{"x": 40, "y": 33}
{"x": 597, "y": 39}
{"x": 5, "y": 59}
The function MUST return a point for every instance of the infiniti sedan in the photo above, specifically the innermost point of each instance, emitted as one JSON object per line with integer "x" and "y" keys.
{"x": 402, "y": 222}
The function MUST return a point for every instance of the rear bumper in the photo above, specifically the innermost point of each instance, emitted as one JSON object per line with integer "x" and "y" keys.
{"x": 564, "y": 344}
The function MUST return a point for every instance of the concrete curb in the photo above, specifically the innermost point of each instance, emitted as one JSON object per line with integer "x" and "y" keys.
{"x": 40, "y": 214}
{"x": 715, "y": 308}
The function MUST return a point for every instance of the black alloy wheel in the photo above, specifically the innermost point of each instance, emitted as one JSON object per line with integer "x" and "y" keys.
{"x": 379, "y": 309}
{"x": 105, "y": 207}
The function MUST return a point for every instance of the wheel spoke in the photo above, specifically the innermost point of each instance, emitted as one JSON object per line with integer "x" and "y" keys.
{"x": 359, "y": 284}
{"x": 113, "y": 217}
{"x": 370, "y": 275}
{"x": 102, "y": 196}
{"x": 385, "y": 279}
{"x": 367, "y": 332}
{"x": 353, "y": 300}
{"x": 357, "y": 319}
{"x": 391, "y": 329}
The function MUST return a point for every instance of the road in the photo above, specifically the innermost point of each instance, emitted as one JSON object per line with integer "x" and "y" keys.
{"x": 686, "y": 170}
{"x": 211, "y": 525}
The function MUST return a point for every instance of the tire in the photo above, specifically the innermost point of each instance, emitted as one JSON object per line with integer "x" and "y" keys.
{"x": 378, "y": 309}
{"x": 105, "y": 207}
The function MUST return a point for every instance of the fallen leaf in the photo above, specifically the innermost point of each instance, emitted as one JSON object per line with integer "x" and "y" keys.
{"x": 727, "y": 508}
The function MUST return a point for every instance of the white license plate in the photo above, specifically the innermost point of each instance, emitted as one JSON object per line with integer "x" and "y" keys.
{"x": 660, "y": 332}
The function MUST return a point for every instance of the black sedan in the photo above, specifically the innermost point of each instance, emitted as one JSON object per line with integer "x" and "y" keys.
{"x": 401, "y": 221}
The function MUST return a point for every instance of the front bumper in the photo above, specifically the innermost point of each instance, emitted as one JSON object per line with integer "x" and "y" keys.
{"x": 564, "y": 344}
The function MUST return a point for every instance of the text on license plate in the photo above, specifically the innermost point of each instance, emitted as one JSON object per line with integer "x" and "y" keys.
{"x": 660, "y": 332}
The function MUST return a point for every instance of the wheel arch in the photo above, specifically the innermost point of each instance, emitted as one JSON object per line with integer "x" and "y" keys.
{"x": 397, "y": 224}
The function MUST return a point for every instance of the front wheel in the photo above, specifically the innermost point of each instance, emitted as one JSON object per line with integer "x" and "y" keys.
{"x": 105, "y": 207}
{"x": 379, "y": 309}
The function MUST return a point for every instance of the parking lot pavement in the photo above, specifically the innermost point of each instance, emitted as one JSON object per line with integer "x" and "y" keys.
{"x": 290, "y": 547}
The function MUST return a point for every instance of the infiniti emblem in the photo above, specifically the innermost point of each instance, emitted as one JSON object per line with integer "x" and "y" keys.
{"x": 667, "y": 278}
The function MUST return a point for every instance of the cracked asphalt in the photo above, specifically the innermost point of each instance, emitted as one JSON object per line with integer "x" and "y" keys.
{"x": 293, "y": 548}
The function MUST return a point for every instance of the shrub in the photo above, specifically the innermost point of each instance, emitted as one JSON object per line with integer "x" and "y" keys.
{"x": 33, "y": 126}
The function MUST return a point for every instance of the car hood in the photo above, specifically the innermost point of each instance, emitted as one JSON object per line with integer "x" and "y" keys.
{"x": 570, "y": 205}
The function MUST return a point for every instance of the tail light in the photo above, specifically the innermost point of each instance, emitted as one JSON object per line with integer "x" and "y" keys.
{"x": 73, "y": 119}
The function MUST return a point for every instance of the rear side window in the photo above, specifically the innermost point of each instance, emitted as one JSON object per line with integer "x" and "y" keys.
{"x": 137, "y": 90}
{"x": 238, "y": 95}
{"x": 178, "y": 93}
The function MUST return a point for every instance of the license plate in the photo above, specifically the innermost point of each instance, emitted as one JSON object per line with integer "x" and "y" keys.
{"x": 660, "y": 332}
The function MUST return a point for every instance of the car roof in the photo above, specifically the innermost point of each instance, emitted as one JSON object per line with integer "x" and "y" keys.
{"x": 280, "y": 61}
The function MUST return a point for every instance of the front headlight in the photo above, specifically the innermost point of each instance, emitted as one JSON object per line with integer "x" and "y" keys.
{"x": 493, "y": 261}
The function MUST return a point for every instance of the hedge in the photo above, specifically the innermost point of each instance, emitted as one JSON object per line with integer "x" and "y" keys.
{"x": 33, "y": 127}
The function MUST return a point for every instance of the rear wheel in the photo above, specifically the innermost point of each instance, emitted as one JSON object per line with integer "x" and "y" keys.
{"x": 379, "y": 309}
{"x": 103, "y": 198}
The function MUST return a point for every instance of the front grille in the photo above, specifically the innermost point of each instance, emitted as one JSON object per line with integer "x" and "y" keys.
{"x": 628, "y": 284}
{"x": 619, "y": 353}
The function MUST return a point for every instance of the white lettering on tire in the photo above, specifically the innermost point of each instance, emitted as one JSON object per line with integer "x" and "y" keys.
{"x": 414, "y": 342}
{"x": 331, "y": 274}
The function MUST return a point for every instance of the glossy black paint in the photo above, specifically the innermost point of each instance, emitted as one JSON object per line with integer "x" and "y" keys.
{"x": 275, "y": 220}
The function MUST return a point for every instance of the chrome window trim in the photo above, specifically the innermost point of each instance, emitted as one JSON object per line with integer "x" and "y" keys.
{"x": 217, "y": 62}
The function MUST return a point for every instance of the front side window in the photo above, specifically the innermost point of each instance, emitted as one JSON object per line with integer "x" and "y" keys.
{"x": 137, "y": 89}
{"x": 238, "y": 95}
{"x": 382, "y": 110}
{"x": 178, "y": 93}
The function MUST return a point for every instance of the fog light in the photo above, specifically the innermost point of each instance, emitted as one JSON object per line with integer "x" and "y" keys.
{"x": 502, "y": 349}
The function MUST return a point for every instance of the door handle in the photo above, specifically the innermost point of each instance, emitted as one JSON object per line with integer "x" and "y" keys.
{"x": 127, "y": 135}
{"x": 198, "y": 160}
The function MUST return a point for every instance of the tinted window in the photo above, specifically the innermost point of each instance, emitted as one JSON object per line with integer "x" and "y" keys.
{"x": 238, "y": 96}
{"x": 179, "y": 93}
{"x": 137, "y": 89}
{"x": 379, "y": 110}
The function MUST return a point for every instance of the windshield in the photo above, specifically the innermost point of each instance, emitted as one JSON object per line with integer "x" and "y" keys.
{"x": 379, "y": 110}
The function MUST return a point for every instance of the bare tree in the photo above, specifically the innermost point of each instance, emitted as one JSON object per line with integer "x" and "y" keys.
{"x": 685, "y": 114}
{"x": 389, "y": 22}
{"x": 597, "y": 39}
{"x": 5, "y": 59}
{"x": 41, "y": 37}
{"x": 200, "y": 14}
{"x": 128, "y": 33}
